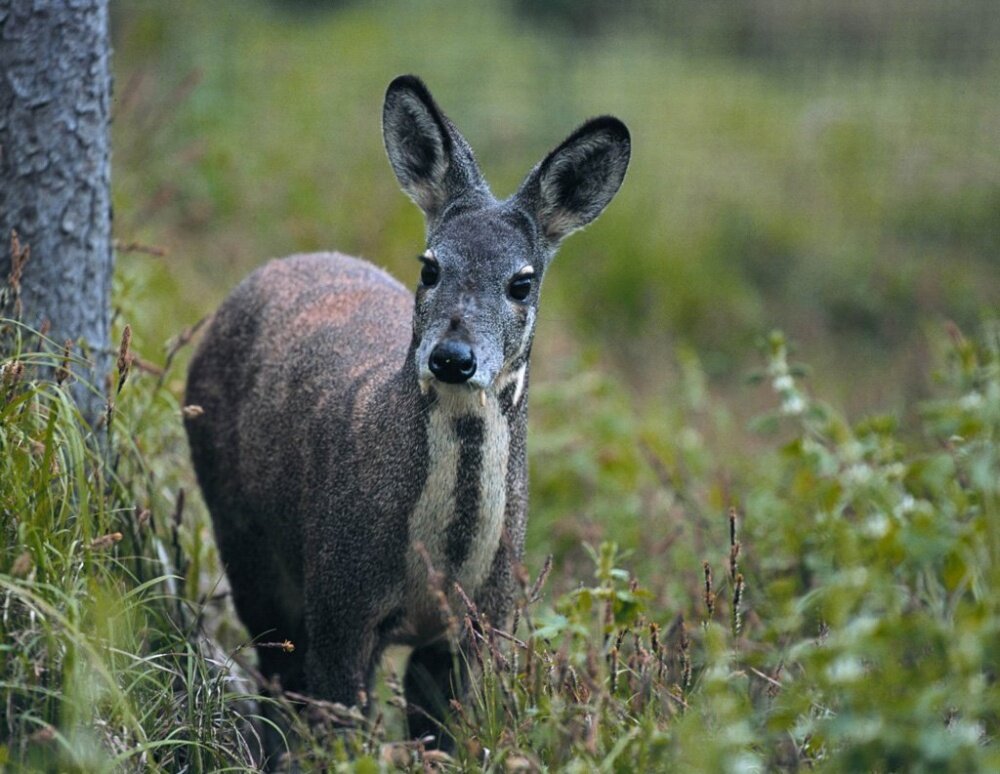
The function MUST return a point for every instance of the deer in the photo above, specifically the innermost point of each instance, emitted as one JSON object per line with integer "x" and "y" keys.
{"x": 361, "y": 447}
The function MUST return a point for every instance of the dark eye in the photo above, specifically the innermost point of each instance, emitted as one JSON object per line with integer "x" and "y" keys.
{"x": 430, "y": 273}
{"x": 520, "y": 286}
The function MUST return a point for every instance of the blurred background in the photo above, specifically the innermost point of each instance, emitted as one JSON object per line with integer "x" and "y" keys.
{"x": 830, "y": 168}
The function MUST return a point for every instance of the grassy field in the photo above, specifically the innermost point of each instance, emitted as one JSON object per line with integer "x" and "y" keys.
{"x": 755, "y": 565}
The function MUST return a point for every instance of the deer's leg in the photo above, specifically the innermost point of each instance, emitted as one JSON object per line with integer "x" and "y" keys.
{"x": 435, "y": 675}
{"x": 344, "y": 647}
{"x": 495, "y": 599}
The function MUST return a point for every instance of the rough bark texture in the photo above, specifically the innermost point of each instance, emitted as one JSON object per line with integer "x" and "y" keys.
{"x": 55, "y": 170}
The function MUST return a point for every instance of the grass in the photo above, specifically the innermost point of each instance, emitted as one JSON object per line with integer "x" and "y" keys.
{"x": 852, "y": 203}
{"x": 836, "y": 613}
{"x": 99, "y": 638}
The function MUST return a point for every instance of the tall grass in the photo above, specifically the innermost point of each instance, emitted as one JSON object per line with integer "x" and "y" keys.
{"x": 831, "y": 607}
{"x": 103, "y": 660}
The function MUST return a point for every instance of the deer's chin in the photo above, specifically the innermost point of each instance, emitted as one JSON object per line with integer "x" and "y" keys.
{"x": 464, "y": 396}
{"x": 458, "y": 398}
{"x": 483, "y": 381}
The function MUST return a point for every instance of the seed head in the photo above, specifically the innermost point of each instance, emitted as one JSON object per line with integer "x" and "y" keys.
{"x": 22, "y": 565}
{"x": 105, "y": 541}
{"x": 709, "y": 593}
{"x": 125, "y": 357}
{"x": 738, "y": 589}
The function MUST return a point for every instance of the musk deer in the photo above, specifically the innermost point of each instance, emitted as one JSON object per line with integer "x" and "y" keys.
{"x": 355, "y": 436}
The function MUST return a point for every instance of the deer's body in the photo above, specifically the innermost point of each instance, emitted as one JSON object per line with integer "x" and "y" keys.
{"x": 361, "y": 450}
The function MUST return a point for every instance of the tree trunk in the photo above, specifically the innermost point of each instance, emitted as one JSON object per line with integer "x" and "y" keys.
{"x": 55, "y": 173}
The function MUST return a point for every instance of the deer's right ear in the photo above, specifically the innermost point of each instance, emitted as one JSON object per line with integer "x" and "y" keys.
{"x": 432, "y": 161}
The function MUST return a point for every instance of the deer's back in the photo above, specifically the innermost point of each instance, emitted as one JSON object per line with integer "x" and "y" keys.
{"x": 293, "y": 369}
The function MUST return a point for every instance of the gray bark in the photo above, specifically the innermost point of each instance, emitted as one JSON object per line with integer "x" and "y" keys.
{"x": 55, "y": 171}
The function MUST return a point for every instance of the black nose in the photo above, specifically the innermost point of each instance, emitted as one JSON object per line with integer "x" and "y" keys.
{"x": 453, "y": 362}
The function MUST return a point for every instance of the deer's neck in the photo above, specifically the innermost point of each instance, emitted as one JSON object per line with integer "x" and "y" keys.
{"x": 459, "y": 516}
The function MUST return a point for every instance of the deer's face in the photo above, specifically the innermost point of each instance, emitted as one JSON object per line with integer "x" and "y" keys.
{"x": 478, "y": 295}
{"x": 477, "y": 298}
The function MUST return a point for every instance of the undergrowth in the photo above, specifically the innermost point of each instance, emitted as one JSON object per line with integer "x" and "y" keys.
{"x": 103, "y": 664}
{"x": 849, "y": 622}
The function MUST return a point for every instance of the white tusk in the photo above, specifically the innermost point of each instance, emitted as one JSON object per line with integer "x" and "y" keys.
{"x": 482, "y": 398}
{"x": 519, "y": 389}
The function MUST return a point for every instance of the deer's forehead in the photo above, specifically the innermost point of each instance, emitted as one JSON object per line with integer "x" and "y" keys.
{"x": 485, "y": 239}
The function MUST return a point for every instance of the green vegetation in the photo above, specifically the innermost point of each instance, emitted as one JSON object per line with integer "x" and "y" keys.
{"x": 851, "y": 201}
{"x": 842, "y": 615}
{"x": 102, "y": 665}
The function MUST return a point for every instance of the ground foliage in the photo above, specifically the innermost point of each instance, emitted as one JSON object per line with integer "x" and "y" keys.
{"x": 840, "y": 615}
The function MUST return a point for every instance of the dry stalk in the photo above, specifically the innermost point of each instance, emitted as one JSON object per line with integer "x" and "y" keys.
{"x": 182, "y": 340}
{"x": 536, "y": 589}
{"x": 63, "y": 372}
{"x": 734, "y": 546}
{"x": 18, "y": 257}
{"x": 146, "y": 367}
{"x": 613, "y": 669}
{"x": 685, "y": 645}
{"x": 709, "y": 593}
{"x": 139, "y": 247}
{"x": 435, "y": 583}
{"x": 285, "y": 646}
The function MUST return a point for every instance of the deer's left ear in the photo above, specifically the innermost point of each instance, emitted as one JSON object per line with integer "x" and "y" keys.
{"x": 575, "y": 182}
